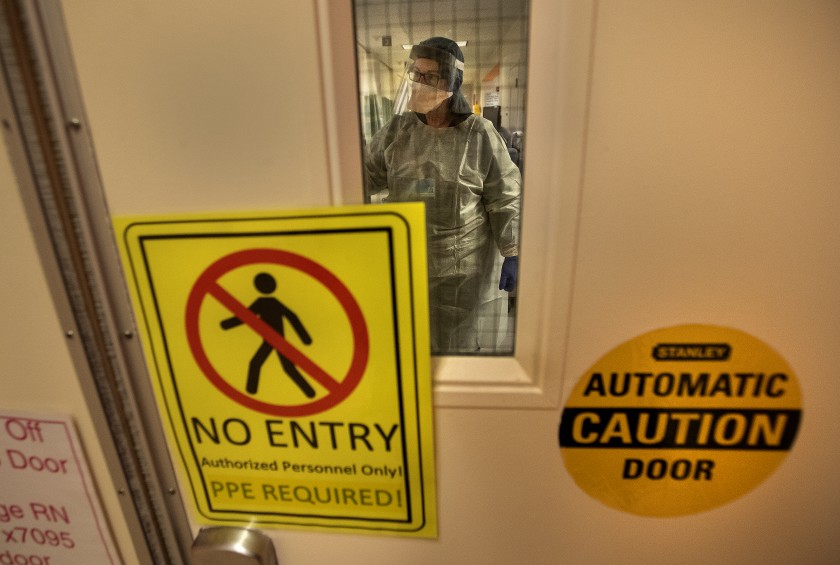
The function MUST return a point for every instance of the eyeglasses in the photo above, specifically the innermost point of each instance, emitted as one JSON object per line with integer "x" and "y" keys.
{"x": 430, "y": 79}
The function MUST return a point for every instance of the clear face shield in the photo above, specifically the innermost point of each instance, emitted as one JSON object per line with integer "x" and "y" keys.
{"x": 428, "y": 80}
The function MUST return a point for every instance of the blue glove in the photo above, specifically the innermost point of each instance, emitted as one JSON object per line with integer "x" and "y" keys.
{"x": 510, "y": 268}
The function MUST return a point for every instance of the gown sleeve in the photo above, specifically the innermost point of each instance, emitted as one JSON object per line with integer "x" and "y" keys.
{"x": 375, "y": 164}
{"x": 502, "y": 192}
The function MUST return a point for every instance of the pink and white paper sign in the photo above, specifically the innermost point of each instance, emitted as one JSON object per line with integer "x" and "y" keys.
{"x": 49, "y": 511}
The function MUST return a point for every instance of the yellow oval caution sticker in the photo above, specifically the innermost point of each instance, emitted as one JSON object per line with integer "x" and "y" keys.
{"x": 680, "y": 420}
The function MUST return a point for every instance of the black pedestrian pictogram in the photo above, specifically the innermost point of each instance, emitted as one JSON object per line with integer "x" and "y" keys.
{"x": 273, "y": 312}
{"x": 337, "y": 386}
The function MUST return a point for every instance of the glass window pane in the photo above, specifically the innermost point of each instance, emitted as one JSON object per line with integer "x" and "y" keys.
{"x": 442, "y": 93}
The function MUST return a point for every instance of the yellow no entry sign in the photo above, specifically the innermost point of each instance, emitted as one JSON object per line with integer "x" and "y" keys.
{"x": 290, "y": 354}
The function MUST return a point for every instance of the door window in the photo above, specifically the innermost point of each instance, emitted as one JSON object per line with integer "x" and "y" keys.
{"x": 442, "y": 107}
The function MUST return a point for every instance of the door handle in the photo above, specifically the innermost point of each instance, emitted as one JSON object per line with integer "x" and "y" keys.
{"x": 225, "y": 545}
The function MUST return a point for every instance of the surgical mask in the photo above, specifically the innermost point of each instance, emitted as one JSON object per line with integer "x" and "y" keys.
{"x": 424, "y": 98}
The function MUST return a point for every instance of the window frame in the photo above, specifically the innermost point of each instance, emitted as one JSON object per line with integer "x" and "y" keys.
{"x": 560, "y": 52}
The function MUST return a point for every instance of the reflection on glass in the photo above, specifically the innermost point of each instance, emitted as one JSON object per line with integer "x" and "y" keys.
{"x": 426, "y": 70}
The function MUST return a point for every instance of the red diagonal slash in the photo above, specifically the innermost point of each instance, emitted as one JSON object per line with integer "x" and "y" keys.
{"x": 277, "y": 341}
{"x": 208, "y": 285}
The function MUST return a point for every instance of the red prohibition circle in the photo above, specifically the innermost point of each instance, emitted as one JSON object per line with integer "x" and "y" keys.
{"x": 207, "y": 285}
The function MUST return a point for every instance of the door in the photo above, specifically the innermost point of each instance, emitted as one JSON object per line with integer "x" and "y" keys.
{"x": 665, "y": 142}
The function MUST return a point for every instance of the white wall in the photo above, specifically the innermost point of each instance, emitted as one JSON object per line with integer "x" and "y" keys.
{"x": 203, "y": 107}
{"x": 710, "y": 195}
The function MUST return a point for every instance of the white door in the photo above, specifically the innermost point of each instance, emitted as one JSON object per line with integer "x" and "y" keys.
{"x": 681, "y": 169}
